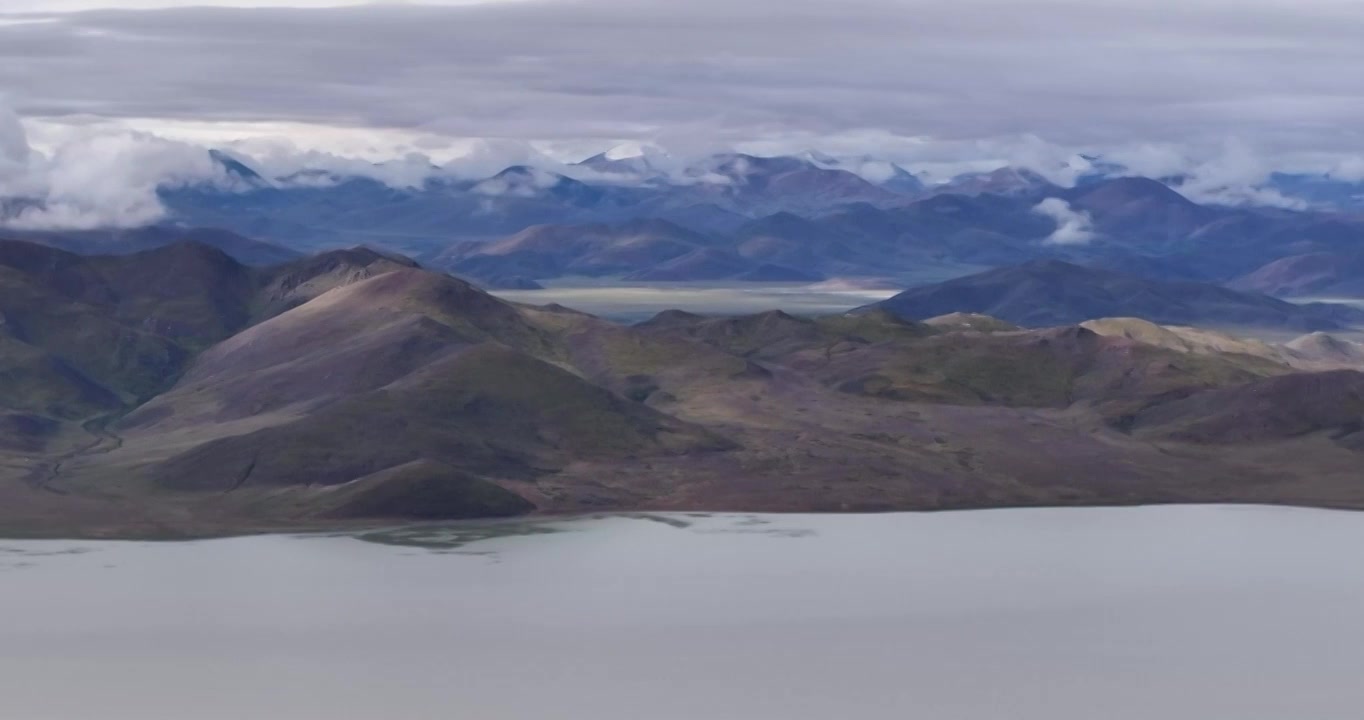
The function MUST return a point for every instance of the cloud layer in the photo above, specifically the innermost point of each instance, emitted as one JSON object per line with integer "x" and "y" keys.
{"x": 1277, "y": 73}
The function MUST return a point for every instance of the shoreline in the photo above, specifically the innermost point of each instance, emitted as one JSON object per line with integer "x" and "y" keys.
{"x": 357, "y": 528}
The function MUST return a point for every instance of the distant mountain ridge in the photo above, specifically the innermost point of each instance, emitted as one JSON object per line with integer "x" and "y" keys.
{"x": 804, "y": 216}
{"x": 1051, "y": 292}
{"x": 125, "y": 242}
{"x": 1135, "y": 224}
{"x": 1323, "y": 274}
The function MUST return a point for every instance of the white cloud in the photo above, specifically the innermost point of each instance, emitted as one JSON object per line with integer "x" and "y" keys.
{"x": 281, "y": 161}
{"x": 1234, "y": 175}
{"x": 875, "y": 171}
{"x": 1245, "y": 195}
{"x": 1072, "y": 227}
{"x": 95, "y": 178}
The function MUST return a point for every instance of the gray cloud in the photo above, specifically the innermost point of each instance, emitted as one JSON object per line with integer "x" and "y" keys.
{"x": 1278, "y": 74}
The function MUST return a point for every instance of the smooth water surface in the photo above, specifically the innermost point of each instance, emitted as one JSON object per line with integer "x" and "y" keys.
{"x": 1196, "y": 613}
{"x": 641, "y": 301}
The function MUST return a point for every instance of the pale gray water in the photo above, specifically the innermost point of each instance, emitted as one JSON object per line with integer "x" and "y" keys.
{"x": 633, "y": 303}
{"x": 1197, "y": 613}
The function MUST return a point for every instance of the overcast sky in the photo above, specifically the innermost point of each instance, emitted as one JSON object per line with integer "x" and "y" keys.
{"x": 1240, "y": 86}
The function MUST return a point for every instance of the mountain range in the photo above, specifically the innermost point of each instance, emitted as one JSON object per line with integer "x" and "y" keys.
{"x": 643, "y": 217}
{"x": 1044, "y": 293}
{"x": 1322, "y": 274}
{"x": 178, "y": 391}
{"x": 747, "y": 218}
{"x": 1136, "y": 225}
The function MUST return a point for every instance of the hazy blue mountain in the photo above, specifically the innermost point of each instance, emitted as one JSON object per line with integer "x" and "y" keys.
{"x": 647, "y": 249}
{"x": 1322, "y": 274}
{"x": 1051, "y": 292}
{"x": 810, "y": 216}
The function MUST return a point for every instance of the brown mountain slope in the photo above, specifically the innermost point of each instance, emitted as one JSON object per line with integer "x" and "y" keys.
{"x": 35, "y": 381}
{"x": 191, "y": 293}
{"x": 878, "y": 354}
{"x": 1315, "y": 352}
{"x": 86, "y": 336}
{"x": 487, "y": 410}
{"x": 25, "y": 432}
{"x": 960, "y": 321}
{"x": 1184, "y": 339}
{"x": 1326, "y": 351}
{"x": 1273, "y": 409}
{"x": 71, "y": 314}
{"x": 423, "y": 489}
{"x": 390, "y": 392}
{"x": 408, "y": 369}
{"x": 289, "y": 285}
{"x": 1043, "y": 368}
{"x": 775, "y": 334}
{"x": 351, "y": 339}
{"x": 657, "y": 370}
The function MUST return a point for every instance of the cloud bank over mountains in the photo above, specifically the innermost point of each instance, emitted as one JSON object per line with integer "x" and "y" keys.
{"x": 94, "y": 178}
{"x": 91, "y": 175}
{"x": 1216, "y": 93}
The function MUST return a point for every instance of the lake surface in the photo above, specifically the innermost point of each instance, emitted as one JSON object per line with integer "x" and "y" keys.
{"x": 634, "y": 303}
{"x": 1197, "y": 613}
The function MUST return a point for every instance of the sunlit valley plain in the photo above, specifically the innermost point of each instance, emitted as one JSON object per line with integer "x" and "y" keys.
{"x": 749, "y": 361}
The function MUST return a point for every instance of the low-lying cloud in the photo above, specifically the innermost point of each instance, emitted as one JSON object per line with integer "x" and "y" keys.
{"x": 1073, "y": 227}
{"x": 95, "y": 179}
